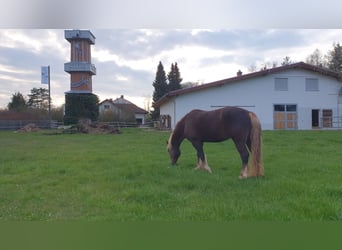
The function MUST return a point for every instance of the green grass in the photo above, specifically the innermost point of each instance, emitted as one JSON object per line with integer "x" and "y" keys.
{"x": 128, "y": 177}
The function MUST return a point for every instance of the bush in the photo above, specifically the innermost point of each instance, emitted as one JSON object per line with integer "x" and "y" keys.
{"x": 80, "y": 106}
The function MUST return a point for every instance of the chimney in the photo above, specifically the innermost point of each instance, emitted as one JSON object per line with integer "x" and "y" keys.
{"x": 122, "y": 96}
{"x": 239, "y": 73}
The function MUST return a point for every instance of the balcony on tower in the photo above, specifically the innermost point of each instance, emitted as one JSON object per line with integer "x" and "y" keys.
{"x": 80, "y": 67}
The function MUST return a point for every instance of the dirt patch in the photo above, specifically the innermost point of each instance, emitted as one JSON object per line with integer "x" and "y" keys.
{"x": 31, "y": 127}
{"x": 84, "y": 126}
{"x": 88, "y": 127}
{"x": 98, "y": 128}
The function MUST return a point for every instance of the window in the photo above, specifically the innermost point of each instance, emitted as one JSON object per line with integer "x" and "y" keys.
{"x": 279, "y": 107}
{"x": 106, "y": 107}
{"x": 311, "y": 84}
{"x": 291, "y": 107}
{"x": 281, "y": 84}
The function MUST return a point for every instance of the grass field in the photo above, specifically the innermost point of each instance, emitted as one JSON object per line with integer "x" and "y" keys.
{"x": 128, "y": 177}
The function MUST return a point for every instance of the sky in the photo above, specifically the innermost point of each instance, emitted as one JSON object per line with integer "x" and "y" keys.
{"x": 127, "y": 59}
{"x": 210, "y": 40}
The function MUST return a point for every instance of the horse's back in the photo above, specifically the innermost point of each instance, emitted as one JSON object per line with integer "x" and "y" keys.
{"x": 236, "y": 116}
{"x": 217, "y": 125}
{"x": 236, "y": 120}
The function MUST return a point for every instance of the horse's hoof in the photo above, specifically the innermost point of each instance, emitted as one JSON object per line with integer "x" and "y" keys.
{"x": 242, "y": 177}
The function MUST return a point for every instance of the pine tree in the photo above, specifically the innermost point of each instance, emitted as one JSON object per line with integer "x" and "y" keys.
{"x": 335, "y": 58}
{"x": 174, "y": 78}
{"x": 39, "y": 99}
{"x": 160, "y": 88}
{"x": 160, "y": 83}
{"x": 17, "y": 103}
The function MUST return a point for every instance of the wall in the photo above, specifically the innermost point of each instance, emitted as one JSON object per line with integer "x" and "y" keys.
{"x": 113, "y": 108}
{"x": 258, "y": 95}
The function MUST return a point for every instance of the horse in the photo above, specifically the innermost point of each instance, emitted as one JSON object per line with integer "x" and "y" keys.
{"x": 240, "y": 125}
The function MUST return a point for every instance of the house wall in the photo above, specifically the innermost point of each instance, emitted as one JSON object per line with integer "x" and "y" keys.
{"x": 259, "y": 95}
{"x": 113, "y": 108}
{"x": 140, "y": 117}
{"x": 170, "y": 108}
{"x": 102, "y": 106}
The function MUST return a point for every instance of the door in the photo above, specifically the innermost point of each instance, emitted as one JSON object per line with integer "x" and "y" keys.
{"x": 285, "y": 116}
{"x": 315, "y": 118}
{"x": 327, "y": 118}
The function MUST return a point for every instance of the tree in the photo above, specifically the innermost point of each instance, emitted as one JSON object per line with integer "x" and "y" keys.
{"x": 252, "y": 68}
{"x": 174, "y": 78}
{"x": 39, "y": 99}
{"x": 286, "y": 61}
{"x": 78, "y": 106}
{"x": 17, "y": 103}
{"x": 160, "y": 88}
{"x": 160, "y": 83}
{"x": 189, "y": 85}
{"x": 316, "y": 59}
{"x": 335, "y": 58}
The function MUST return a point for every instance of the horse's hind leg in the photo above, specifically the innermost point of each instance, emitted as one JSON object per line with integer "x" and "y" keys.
{"x": 244, "y": 155}
{"x": 202, "y": 161}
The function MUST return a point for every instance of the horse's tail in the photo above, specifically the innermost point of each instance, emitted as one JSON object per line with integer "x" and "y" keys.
{"x": 256, "y": 165}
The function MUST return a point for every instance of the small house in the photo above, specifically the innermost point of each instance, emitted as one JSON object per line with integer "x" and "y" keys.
{"x": 122, "y": 110}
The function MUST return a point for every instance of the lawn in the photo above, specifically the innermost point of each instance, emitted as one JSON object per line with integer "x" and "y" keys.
{"x": 128, "y": 177}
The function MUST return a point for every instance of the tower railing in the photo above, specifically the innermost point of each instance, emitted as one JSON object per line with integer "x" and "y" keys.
{"x": 80, "y": 67}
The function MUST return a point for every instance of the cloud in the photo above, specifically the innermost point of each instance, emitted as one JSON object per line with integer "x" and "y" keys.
{"x": 127, "y": 59}
{"x": 180, "y": 14}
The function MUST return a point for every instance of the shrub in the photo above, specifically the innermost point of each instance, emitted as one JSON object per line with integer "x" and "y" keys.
{"x": 80, "y": 106}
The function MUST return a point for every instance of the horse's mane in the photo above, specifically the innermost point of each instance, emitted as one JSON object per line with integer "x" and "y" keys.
{"x": 178, "y": 133}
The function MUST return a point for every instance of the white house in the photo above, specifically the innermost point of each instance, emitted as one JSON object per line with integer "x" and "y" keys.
{"x": 123, "y": 106}
{"x": 295, "y": 96}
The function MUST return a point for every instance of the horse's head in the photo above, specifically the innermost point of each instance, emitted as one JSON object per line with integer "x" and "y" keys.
{"x": 174, "y": 151}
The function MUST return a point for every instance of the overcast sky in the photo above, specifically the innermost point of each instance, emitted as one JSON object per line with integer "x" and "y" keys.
{"x": 132, "y": 36}
{"x": 127, "y": 59}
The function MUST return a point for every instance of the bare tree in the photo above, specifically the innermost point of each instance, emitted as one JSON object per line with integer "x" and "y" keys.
{"x": 316, "y": 59}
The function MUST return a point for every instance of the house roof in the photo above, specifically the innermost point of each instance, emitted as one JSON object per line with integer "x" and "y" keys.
{"x": 240, "y": 77}
{"x": 126, "y": 105}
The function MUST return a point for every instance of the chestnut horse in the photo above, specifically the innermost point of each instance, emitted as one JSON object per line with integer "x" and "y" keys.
{"x": 199, "y": 126}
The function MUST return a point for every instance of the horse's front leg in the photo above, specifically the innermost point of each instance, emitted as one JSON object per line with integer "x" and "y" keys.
{"x": 202, "y": 161}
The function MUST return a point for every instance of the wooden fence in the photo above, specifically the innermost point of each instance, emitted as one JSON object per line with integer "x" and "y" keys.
{"x": 17, "y": 124}
{"x": 47, "y": 124}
